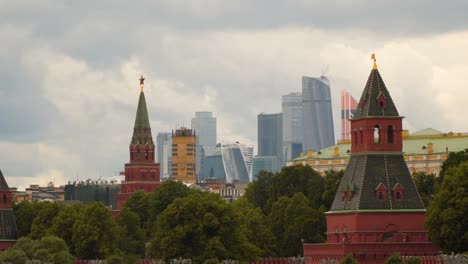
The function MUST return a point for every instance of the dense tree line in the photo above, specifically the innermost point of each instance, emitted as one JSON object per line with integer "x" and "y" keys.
{"x": 278, "y": 213}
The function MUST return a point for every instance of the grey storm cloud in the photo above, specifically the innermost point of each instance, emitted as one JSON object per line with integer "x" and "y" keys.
{"x": 69, "y": 69}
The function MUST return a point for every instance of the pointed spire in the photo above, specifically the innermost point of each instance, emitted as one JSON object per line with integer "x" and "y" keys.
{"x": 142, "y": 129}
{"x": 375, "y": 99}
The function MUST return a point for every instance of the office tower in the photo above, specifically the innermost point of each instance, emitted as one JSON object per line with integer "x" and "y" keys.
{"x": 234, "y": 163}
{"x": 263, "y": 163}
{"x": 183, "y": 155}
{"x": 292, "y": 125}
{"x": 164, "y": 147}
{"x": 214, "y": 168}
{"x": 270, "y": 136}
{"x": 247, "y": 154}
{"x": 318, "y": 132}
{"x": 348, "y": 107}
{"x": 204, "y": 125}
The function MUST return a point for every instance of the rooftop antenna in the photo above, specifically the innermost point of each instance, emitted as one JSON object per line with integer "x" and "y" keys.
{"x": 324, "y": 72}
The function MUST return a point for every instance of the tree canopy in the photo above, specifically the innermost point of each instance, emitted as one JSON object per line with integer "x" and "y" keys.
{"x": 447, "y": 216}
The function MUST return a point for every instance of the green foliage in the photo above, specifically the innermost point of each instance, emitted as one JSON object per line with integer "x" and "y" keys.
{"x": 425, "y": 183}
{"x": 454, "y": 159}
{"x": 48, "y": 249}
{"x": 293, "y": 220}
{"x": 131, "y": 235}
{"x": 46, "y": 211}
{"x": 24, "y": 213}
{"x": 259, "y": 192}
{"x": 94, "y": 233}
{"x": 447, "y": 217}
{"x": 394, "y": 259}
{"x": 413, "y": 260}
{"x": 349, "y": 259}
{"x": 14, "y": 256}
{"x": 256, "y": 228}
{"x": 201, "y": 226}
{"x": 331, "y": 182}
{"x": 139, "y": 203}
{"x": 62, "y": 224}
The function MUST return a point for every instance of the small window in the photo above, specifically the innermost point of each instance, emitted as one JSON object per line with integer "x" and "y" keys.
{"x": 146, "y": 154}
{"x": 381, "y": 196}
{"x": 398, "y": 196}
{"x": 390, "y": 135}
{"x": 355, "y": 137}
{"x": 361, "y": 136}
{"x": 5, "y": 199}
{"x": 138, "y": 155}
{"x": 377, "y": 134}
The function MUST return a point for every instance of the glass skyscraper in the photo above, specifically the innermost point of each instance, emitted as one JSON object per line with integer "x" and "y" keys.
{"x": 234, "y": 162}
{"x": 292, "y": 125}
{"x": 270, "y": 136}
{"x": 204, "y": 125}
{"x": 318, "y": 131}
{"x": 164, "y": 153}
{"x": 263, "y": 163}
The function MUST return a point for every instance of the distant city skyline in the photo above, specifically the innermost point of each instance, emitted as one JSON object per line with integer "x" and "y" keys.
{"x": 70, "y": 76}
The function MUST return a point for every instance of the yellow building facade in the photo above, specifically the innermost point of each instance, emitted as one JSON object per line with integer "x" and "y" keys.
{"x": 424, "y": 151}
{"x": 183, "y": 155}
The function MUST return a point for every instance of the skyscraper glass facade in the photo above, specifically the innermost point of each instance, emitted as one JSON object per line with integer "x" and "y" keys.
{"x": 234, "y": 163}
{"x": 164, "y": 153}
{"x": 318, "y": 131}
{"x": 270, "y": 136}
{"x": 204, "y": 125}
{"x": 263, "y": 163}
{"x": 292, "y": 125}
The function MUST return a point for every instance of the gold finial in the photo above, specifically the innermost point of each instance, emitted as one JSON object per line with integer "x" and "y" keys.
{"x": 142, "y": 82}
{"x": 375, "y": 61}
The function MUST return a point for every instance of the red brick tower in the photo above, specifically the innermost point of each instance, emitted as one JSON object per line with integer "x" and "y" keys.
{"x": 377, "y": 210}
{"x": 142, "y": 173}
{"x": 8, "y": 230}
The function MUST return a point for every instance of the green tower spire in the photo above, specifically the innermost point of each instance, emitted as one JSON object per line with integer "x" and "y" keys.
{"x": 142, "y": 130}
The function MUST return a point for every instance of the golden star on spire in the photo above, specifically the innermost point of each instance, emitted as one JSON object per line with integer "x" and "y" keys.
{"x": 142, "y": 82}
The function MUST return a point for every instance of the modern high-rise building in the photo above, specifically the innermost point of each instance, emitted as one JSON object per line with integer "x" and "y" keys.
{"x": 183, "y": 155}
{"x": 204, "y": 125}
{"x": 318, "y": 131}
{"x": 348, "y": 107}
{"x": 270, "y": 136}
{"x": 292, "y": 125}
{"x": 164, "y": 147}
{"x": 214, "y": 168}
{"x": 234, "y": 162}
{"x": 263, "y": 163}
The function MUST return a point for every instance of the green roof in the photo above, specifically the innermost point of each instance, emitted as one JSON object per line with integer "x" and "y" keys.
{"x": 375, "y": 99}
{"x": 3, "y": 183}
{"x": 427, "y": 132}
{"x": 142, "y": 130}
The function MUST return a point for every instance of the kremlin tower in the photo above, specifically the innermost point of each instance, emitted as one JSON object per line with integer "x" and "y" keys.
{"x": 141, "y": 173}
{"x": 377, "y": 210}
{"x": 8, "y": 230}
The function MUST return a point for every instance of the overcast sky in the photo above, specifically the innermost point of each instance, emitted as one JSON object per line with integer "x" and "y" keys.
{"x": 69, "y": 70}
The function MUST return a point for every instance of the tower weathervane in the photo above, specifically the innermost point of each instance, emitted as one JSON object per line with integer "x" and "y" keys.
{"x": 142, "y": 82}
{"x": 375, "y": 61}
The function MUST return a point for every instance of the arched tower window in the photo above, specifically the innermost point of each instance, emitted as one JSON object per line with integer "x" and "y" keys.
{"x": 138, "y": 155}
{"x": 390, "y": 135}
{"x": 146, "y": 154}
{"x": 355, "y": 137}
{"x": 361, "y": 136}
{"x": 4, "y": 199}
{"x": 377, "y": 134}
